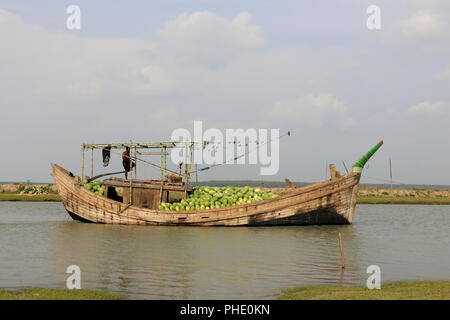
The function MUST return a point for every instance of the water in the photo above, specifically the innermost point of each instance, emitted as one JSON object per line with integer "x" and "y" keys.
{"x": 39, "y": 241}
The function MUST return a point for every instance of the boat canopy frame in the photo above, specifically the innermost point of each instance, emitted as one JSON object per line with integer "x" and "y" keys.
{"x": 134, "y": 146}
{"x": 142, "y": 145}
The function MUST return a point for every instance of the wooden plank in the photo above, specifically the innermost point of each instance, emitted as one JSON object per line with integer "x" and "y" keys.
{"x": 332, "y": 171}
{"x": 145, "y": 186}
{"x": 289, "y": 183}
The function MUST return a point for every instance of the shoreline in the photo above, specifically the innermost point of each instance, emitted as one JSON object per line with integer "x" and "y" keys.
{"x": 366, "y": 195}
{"x": 402, "y": 200}
{"x": 34, "y": 293}
{"x": 29, "y": 197}
{"x": 362, "y": 199}
{"x": 401, "y": 290}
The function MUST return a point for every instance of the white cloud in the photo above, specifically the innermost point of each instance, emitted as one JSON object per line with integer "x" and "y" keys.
{"x": 425, "y": 31}
{"x": 47, "y": 63}
{"x": 313, "y": 110}
{"x": 207, "y": 66}
{"x": 203, "y": 37}
{"x": 426, "y": 107}
{"x": 202, "y": 66}
{"x": 424, "y": 23}
{"x": 420, "y": 4}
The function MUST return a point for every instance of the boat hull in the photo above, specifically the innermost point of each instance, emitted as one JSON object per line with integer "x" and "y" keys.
{"x": 329, "y": 202}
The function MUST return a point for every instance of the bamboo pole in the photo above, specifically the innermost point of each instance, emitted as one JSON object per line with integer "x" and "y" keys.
{"x": 150, "y": 164}
{"x": 104, "y": 174}
{"x": 342, "y": 250}
{"x": 190, "y": 163}
{"x": 142, "y": 145}
{"x": 165, "y": 160}
{"x": 135, "y": 164}
{"x": 82, "y": 163}
{"x": 162, "y": 173}
{"x": 151, "y": 153}
{"x": 390, "y": 171}
{"x": 162, "y": 163}
{"x": 188, "y": 169}
{"x": 345, "y": 167}
{"x": 131, "y": 178}
{"x": 196, "y": 174}
{"x": 185, "y": 172}
{"x": 92, "y": 162}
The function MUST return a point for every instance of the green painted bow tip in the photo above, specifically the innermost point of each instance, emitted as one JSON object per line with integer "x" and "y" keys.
{"x": 361, "y": 162}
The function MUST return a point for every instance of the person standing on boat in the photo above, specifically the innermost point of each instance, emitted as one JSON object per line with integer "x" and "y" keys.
{"x": 126, "y": 162}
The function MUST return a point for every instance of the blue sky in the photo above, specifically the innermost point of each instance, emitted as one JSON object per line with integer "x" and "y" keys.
{"x": 311, "y": 67}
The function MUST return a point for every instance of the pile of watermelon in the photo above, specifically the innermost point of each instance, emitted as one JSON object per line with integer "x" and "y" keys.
{"x": 95, "y": 186}
{"x": 204, "y": 198}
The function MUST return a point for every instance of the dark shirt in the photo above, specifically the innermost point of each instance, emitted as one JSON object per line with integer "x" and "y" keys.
{"x": 126, "y": 160}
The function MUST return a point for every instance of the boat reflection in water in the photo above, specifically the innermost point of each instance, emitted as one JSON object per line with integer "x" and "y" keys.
{"x": 39, "y": 242}
{"x": 204, "y": 263}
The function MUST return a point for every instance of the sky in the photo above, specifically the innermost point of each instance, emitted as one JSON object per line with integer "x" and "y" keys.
{"x": 138, "y": 70}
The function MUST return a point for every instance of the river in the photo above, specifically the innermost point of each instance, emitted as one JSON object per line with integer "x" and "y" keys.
{"x": 38, "y": 241}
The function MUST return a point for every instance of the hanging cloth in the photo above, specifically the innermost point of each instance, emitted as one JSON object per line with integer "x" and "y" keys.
{"x": 106, "y": 152}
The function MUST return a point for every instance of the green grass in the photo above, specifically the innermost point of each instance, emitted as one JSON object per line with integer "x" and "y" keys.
{"x": 416, "y": 290}
{"x": 56, "y": 294}
{"x": 6, "y": 196}
{"x": 402, "y": 200}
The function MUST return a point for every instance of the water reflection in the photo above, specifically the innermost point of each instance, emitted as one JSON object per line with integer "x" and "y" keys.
{"x": 193, "y": 262}
{"x": 223, "y": 262}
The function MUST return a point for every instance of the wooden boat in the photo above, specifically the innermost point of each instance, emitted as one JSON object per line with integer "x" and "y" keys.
{"x": 331, "y": 201}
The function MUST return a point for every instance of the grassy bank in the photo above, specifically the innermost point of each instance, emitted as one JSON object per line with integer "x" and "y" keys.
{"x": 402, "y": 200}
{"x": 5, "y": 196}
{"x": 416, "y": 290}
{"x": 56, "y": 294}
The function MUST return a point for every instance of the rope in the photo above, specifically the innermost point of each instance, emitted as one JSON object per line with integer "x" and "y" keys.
{"x": 209, "y": 167}
{"x": 383, "y": 180}
{"x": 149, "y": 163}
{"x": 242, "y": 155}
